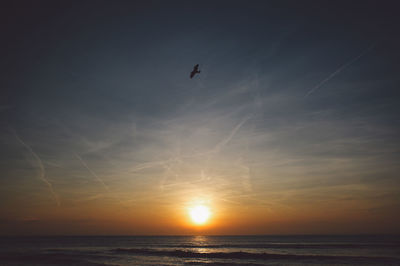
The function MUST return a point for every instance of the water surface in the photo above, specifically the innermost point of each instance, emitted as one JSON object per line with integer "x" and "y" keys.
{"x": 200, "y": 250}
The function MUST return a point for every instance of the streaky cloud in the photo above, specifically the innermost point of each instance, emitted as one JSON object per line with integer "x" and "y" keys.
{"x": 91, "y": 172}
{"x": 340, "y": 69}
{"x": 42, "y": 174}
{"x": 225, "y": 141}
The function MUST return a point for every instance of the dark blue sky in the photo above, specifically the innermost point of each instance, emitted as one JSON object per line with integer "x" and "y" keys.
{"x": 297, "y": 102}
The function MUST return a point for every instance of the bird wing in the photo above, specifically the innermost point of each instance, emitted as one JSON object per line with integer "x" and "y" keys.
{"x": 195, "y": 70}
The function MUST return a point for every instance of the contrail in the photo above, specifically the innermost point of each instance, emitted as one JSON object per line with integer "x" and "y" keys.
{"x": 231, "y": 135}
{"x": 340, "y": 69}
{"x": 245, "y": 176}
{"x": 224, "y": 141}
{"x": 91, "y": 171}
{"x": 146, "y": 165}
{"x": 41, "y": 167}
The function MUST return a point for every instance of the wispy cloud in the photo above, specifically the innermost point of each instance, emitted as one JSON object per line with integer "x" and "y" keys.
{"x": 91, "y": 171}
{"x": 340, "y": 69}
{"x": 226, "y": 140}
{"x": 42, "y": 171}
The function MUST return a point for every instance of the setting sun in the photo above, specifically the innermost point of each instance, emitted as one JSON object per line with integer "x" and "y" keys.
{"x": 199, "y": 214}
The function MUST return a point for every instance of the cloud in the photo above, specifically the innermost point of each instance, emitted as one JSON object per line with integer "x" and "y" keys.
{"x": 340, "y": 69}
{"x": 91, "y": 172}
{"x": 42, "y": 171}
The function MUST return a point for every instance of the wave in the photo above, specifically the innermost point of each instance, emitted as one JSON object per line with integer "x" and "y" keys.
{"x": 287, "y": 246}
{"x": 18, "y": 258}
{"x": 249, "y": 255}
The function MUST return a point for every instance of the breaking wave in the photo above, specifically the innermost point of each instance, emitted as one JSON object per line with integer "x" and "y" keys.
{"x": 249, "y": 255}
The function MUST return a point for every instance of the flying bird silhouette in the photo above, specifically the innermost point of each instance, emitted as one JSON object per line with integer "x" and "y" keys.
{"x": 195, "y": 71}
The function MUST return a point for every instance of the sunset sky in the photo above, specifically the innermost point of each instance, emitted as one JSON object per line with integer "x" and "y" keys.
{"x": 292, "y": 126}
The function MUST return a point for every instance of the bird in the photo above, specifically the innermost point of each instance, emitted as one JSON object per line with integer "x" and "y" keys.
{"x": 195, "y": 71}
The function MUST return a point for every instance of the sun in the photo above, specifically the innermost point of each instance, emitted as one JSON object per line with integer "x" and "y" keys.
{"x": 199, "y": 214}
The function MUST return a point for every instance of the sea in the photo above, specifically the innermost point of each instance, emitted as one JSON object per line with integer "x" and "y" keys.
{"x": 200, "y": 250}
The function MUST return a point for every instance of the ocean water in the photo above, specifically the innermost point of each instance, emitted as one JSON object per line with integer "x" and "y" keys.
{"x": 200, "y": 250}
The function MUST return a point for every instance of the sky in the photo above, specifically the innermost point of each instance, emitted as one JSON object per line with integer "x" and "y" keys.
{"x": 292, "y": 126}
